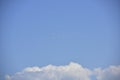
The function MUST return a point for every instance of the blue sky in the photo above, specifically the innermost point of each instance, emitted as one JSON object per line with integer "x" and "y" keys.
{"x": 38, "y": 33}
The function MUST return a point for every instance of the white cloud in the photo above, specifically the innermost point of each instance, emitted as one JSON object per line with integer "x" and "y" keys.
{"x": 110, "y": 73}
{"x": 72, "y": 71}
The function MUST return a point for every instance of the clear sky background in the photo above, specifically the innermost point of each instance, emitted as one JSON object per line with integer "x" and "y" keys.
{"x": 42, "y": 32}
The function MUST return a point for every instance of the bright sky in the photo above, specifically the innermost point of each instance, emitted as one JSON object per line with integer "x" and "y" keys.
{"x": 42, "y": 32}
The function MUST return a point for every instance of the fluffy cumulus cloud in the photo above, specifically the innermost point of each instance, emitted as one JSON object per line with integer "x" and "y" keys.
{"x": 73, "y": 71}
{"x": 111, "y": 73}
